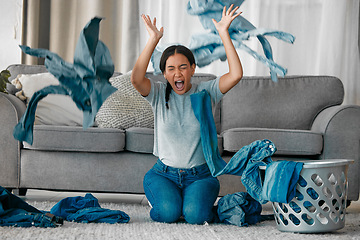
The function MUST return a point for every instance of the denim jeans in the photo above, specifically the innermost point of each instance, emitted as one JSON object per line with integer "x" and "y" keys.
{"x": 175, "y": 192}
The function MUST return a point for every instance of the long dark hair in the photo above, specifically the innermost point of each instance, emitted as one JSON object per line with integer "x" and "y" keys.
{"x": 170, "y": 51}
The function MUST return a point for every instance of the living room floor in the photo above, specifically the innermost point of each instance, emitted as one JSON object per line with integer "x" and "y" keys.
{"x": 56, "y": 196}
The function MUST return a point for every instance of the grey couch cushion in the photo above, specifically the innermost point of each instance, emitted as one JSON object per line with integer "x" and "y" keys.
{"x": 66, "y": 138}
{"x": 291, "y": 103}
{"x": 287, "y": 142}
{"x": 142, "y": 140}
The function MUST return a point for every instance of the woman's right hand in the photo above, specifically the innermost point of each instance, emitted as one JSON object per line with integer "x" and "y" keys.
{"x": 153, "y": 31}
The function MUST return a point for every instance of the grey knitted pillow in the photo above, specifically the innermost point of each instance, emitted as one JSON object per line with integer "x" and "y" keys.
{"x": 125, "y": 108}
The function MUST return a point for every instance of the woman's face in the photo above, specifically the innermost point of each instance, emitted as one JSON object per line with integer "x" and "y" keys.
{"x": 178, "y": 73}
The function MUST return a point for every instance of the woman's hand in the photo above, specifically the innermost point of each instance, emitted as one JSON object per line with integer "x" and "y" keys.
{"x": 226, "y": 19}
{"x": 153, "y": 31}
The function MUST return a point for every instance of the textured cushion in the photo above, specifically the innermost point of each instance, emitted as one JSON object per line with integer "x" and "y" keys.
{"x": 62, "y": 138}
{"x": 291, "y": 103}
{"x": 54, "y": 109}
{"x": 125, "y": 108}
{"x": 287, "y": 142}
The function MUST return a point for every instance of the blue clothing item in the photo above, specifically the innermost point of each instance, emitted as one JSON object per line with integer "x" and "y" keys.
{"x": 239, "y": 30}
{"x": 87, "y": 209}
{"x": 280, "y": 181}
{"x": 239, "y": 209}
{"x": 17, "y": 213}
{"x": 175, "y": 192}
{"x": 244, "y": 163}
{"x": 86, "y": 81}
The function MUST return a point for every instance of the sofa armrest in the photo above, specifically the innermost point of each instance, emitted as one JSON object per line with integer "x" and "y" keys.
{"x": 340, "y": 126}
{"x": 11, "y": 110}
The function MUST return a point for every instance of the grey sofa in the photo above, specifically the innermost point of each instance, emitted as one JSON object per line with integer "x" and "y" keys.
{"x": 302, "y": 115}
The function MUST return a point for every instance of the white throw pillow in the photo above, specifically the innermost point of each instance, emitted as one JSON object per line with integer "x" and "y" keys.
{"x": 54, "y": 109}
{"x": 125, "y": 108}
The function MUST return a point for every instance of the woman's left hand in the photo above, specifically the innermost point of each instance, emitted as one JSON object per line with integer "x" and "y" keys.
{"x": 227, "y": 17}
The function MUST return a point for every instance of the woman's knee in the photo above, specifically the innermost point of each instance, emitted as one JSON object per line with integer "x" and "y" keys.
{"x": 166, "y": 212}
{"x": 197, "y": 215}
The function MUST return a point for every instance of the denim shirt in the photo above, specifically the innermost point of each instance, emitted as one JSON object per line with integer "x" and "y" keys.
{"x": 208, "y": 47}
{"x": 86, "y": 81}
{"x": 16, "y": 212}
{"x": 87, "y": 209}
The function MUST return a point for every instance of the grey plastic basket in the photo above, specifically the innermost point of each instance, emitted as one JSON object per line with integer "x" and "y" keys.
{"x": 320, "y": 201}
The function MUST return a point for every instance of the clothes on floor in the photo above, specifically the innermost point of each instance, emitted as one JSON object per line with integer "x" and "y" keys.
{"x": 86, "y": 81}
{"x": 87, "y": 210}
{"x": 17, "y": 213}
{"x": 239, "y": 209}
{"x": 174, "y": 193}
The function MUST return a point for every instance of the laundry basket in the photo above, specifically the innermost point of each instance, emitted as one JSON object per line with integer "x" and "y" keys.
{"x": 320, "y": 201}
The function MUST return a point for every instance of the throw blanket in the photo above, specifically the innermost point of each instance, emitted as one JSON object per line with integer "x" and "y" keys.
{"x": 17, "y": 213}
{"x": 86, "y": 81}
{"x": 86, "y": 210}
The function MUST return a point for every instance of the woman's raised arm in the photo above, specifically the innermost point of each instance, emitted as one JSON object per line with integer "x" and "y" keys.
{"x": 138, "y": 79}
{"x": 230, "y": 79}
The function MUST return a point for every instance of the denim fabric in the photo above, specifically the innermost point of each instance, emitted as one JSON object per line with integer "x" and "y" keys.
{"x": 244, "y": 163}
{"x": 87, "y": 209}
{"x": 86, "y": 81}
{"x": 17, "y": 213}
{"x": 239, "y": 209}
{"x": 175, "y": 192}
{"x": 280, "y": 181}
{"x": 240, "y": 29}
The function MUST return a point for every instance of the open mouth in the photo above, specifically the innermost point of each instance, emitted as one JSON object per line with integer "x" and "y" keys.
{"x": 179, "y": 85}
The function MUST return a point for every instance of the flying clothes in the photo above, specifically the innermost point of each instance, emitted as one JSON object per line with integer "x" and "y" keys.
{"x": 208, "y": 47}
{"x": 86, "y": 81}
{"x": 240, "y": 29}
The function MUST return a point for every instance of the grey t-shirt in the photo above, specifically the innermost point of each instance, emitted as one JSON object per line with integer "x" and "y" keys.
{"x": 177, "y": 140}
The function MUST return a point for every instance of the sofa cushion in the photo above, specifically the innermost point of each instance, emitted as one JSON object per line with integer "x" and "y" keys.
{"x": 65, "y": 138}
{"x": 291, "y": 103}
{"x": 139, "y": 139}
{"x": 287, "y": 142}
{"x": 125, "y": 108}
{"x": 54, "y": 109}
{"x": 142, "y": 140}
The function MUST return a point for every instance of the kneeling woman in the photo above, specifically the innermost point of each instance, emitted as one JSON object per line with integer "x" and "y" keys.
{"x": 180, "y": 183}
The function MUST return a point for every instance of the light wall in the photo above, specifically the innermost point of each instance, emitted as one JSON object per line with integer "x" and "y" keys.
{"x": 10, "y": 32}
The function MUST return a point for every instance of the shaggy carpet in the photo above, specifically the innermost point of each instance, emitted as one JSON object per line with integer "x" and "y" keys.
{"x": 142, "y": 227}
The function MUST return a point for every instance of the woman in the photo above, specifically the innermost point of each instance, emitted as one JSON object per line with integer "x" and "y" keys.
{"x": 180, "y": 183}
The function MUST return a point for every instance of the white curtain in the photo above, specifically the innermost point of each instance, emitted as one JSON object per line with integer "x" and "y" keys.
{"x": 326, "y": 31}
{"x": 119, "y": 29}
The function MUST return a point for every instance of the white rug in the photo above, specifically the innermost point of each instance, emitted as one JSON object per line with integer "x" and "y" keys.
{"x": 142, "y": 227}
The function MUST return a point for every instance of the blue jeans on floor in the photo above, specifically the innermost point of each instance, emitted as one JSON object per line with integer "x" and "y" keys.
{"x": 175, "y": 192}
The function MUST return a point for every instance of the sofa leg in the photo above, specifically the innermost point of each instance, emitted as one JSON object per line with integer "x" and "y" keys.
{"x": 20, "y": 191}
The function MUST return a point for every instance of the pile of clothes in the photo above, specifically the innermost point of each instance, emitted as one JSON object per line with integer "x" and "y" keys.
{"x": 16, "y": 212}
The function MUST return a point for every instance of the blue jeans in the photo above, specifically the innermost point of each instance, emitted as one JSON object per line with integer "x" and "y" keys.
{"x": 175, "y": 192}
